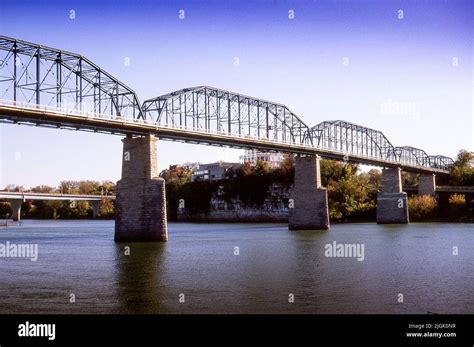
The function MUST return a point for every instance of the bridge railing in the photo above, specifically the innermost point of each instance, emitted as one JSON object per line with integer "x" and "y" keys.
{"x": 75, "y": 112}
{"x": 72, "y": 111}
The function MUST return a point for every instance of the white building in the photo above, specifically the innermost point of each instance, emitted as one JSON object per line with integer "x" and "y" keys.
{"x": 213, "y": 171}
{"x": 252, "y": 155}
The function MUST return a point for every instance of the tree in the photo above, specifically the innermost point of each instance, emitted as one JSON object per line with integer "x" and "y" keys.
{"x": 69, "y": 187}
{"x": 422, "y": 206}
{"x": 261, "y": 168}
{"x": 89, "y": 187}
{"x": 351, "y": 196}
{"x": 247, "y": 169}
{"x": 375, "y": 178}
{"x": 176, "y": 177}
{"x": 107, "y": 208}
{"x": 107, "y": 188}
{"x": 462, "y": 173}
{"x": 457, "y": 206}
{"x": 285, "y": 172}
{"x": 14, "y": 188}
{"x": 5, "y": 208}
{"x": 43, "y": 189}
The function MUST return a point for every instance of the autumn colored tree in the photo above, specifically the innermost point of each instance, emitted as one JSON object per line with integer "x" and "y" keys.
{"x": 422, "y": 207}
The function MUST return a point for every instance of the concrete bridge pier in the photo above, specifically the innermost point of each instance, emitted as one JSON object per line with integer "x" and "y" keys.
{"x": 16, "y": 208}
{"x": 140, "y": 210}
{"x": 309, "y": 208}
{"x": 95, "y": 204}
{"x": 427, "y": 184}
{"x": 392, "y": 205}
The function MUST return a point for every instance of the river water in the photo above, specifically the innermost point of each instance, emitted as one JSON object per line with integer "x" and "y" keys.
{"x": 239, "y": 268}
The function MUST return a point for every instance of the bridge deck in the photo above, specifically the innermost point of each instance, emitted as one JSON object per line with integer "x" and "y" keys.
{"x": 445, "y": 189}
{"x": 17, "y": 113}
{"x": 51, "y": 196}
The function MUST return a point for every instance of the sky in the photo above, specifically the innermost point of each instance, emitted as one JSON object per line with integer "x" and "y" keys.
{"x": 402, "y": 67}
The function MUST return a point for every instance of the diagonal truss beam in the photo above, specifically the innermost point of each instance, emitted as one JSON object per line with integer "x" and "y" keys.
{"x": 34, "y": 73}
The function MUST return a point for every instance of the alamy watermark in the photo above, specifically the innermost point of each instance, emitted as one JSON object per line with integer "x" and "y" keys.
{"x": 37, "y": 330}
{"x": 345, "y": 250}
{"x": 400, "y": 108}
{"x": 19, "y": 250}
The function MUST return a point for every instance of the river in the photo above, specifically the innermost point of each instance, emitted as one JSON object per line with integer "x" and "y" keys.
{"x": 239, "y": 268}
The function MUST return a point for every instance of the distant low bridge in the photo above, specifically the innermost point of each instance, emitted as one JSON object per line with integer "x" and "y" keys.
{"x": 17, "y": 198}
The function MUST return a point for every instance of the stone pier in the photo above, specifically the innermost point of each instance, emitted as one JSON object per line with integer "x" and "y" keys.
{"x": 16, "y": 208}
{"x": 391, "y": 200}
{"x": 95, "y": 204}
{"x": 308, "y": 209}
{"x": 427, "y": 184}
{"x": 140, "y": 206}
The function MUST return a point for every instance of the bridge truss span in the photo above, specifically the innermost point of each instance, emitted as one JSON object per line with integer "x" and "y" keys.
{"x": 210, "y": 109}
{"x": 352, "y": 139}
{"x": 32, "y": 73}
{"x": 49, "y": 87}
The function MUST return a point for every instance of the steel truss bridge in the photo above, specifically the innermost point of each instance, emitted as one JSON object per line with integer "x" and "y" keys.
{"x": 49, "y": 87}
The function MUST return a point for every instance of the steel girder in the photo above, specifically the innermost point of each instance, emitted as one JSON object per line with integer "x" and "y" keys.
{"x": 214, "y": 110}
{"x": 440, "y": 162}
{"x": 37, "y": 74}
{"x": 352, "y": 139}
{"x": 413, "y": 156}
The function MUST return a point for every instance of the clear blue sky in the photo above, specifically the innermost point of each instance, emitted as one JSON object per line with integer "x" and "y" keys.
{"x": 392, "y": 63}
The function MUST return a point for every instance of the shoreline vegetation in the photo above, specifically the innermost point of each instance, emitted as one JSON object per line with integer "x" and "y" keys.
{"x": 257, "y": 193}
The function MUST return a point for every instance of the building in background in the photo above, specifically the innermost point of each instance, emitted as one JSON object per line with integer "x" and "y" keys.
{"x": 214, "y": 171}
{"x": 252, "y": 155}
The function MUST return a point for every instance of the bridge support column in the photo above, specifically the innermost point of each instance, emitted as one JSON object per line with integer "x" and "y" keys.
{"x": 140, "y": 209}
{"x": 392, "y": 207}
{"x": 16, "y": 208}
{"x": 309, "y": 210}
{"x": 427, "y": 184}
{"x": 95, "y": 204}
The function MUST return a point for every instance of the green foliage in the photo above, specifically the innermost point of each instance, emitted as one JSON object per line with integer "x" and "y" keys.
{"x": 107, "y": 209}
{"x": 197, "y": 195}
{"x": 261, "y": 168}
{"x": 351, "y": 195}
{"x": 422, "y": 207}
{"x": 5, "y": 209}
{"x": 462, "y": 173}
{"x": 175, "y": 177}
{"x": 285, "y": 172}
{"x": 457, "y": 206}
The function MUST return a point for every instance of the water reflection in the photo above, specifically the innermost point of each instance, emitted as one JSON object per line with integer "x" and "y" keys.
{"x": 140, "y": 285}
{"x": 80, "y": 257}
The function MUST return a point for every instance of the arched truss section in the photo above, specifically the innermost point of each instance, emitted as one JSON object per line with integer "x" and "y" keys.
{"x": 46, "y": 76}
{"x": 214, "y": 110}
{"x": 412, "y": 156}
{"x": 440, "y": 162}
{"x": 352, "y": 139}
